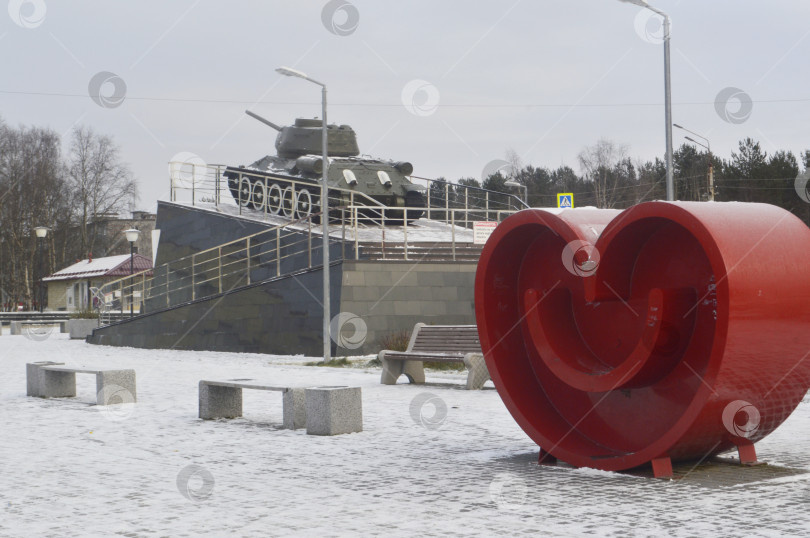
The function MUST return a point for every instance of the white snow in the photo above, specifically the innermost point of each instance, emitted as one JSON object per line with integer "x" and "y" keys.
{"x": 89, "y": 268}
{"x": 70, "y": 468}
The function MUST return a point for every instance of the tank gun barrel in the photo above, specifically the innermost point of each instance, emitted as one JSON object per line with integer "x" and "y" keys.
{"x": 264, "y": 121}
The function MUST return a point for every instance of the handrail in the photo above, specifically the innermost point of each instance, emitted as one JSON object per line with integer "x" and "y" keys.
{"x": 399, "y": 236}
{"x": 190, "y": 277}
{"x": 205, "y": 179}
{"x": 468, "y": 188}
{"x": 212, "y": 270}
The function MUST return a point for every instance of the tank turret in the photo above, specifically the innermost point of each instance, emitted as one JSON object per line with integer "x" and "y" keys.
{"x": 288, "y": 183}
{"x": 305, "y": 137}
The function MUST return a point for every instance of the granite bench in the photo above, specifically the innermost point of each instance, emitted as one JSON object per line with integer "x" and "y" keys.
{"x": 436, "y": 343}
{"x": 55, "y": 380}
{"x": 322, "y": 410}
{"x": 16, "y": 328}
{"x": 223, "y": 399}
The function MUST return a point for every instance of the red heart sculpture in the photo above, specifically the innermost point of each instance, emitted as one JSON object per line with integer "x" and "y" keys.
{"x": 680, "y": 331}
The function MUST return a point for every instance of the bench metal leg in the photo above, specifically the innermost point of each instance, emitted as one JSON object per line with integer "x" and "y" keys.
{"x": 220, "y": 402}
{"x": 32, "y": 376}
{"x": 392, "y": 369}
{"x": 53, "y": 384}
{"x": 115, "y": 387}
{"x": 295, "y": 409}
{"x": 478, "y": 372}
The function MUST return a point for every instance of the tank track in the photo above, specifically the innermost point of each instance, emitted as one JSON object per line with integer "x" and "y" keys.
{"x": 275, "y": 194}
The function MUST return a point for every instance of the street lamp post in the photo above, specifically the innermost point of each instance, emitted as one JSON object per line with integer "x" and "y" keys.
{"x": 708, "y": 147}
{"x": 327, "y": 348}
{"x": 132, "y": 236}
{"x": 515, "y": 185}
{"x": 42, "y": 233}
{"x": 667, "y": 94}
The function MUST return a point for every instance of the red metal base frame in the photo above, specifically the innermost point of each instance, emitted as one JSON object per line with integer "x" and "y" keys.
{"x": 747, "y": 453}
{"x": 662, "y": 467}
{"x": 545, "y": 458}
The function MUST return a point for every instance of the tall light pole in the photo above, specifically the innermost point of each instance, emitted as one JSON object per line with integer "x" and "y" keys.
{"x": 708, "y": 147}
{"x": 667, "y": 94}
{"x": 42, "y": 233}
{"x": 132, "y": 236}
{"x": 515, "y": 185}
{"x": 327, "y": 347}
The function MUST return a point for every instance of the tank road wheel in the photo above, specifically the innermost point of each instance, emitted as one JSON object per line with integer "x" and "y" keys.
{"x": 274, "y": 199}
{"x": 303, "y": 204}
{"x": 288, "y": 201}
{"x": 258, "y": 195}
{"x": 244, "y": 195}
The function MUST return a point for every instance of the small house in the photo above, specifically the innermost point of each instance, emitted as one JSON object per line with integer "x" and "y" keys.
{"x": 69, "y": 289}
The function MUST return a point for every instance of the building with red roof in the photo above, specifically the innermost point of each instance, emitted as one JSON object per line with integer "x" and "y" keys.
{"x": 69, "y": 288}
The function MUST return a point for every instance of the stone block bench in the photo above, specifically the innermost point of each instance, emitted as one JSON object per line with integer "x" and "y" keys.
{"x": 322, "y": 410}
{"x": 223, "y": 399}
{"x": 55, "y": 380}
{"x": 17, "y": 327}
{"x": 436, "y": 343}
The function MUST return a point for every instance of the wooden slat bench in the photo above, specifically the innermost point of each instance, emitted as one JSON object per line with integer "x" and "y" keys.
{"x": 436, "y": 343}
{"x": 55, "y": 380}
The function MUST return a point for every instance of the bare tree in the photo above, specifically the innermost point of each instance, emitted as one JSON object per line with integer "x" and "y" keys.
{"x": 32, "y": 193}
{"x": 601, "y": 164}
{"x": 100, "y": 182}
{"x": 515, "y": 163}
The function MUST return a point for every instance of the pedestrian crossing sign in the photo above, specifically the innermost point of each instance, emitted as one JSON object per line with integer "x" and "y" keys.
{"x": 565, "y": 200}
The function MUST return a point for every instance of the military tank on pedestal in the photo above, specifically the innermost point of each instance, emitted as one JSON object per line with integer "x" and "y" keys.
{"x": 289, "y": 183}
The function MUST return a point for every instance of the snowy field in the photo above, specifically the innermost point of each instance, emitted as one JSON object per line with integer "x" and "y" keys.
{"x": 457, "y": 465}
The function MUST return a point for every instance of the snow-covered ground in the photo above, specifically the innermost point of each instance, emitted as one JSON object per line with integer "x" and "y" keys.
{"x": 456, "y": 464}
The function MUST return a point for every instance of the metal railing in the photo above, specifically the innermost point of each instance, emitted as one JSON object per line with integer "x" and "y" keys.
{"x": 272, "y": 253}
{"x": 208, "y": 184}
{"x": 289, "y": 247}
{"x": 201, "y": 183}
{"x": 253, "y": 258}
{"x": 391, "y": 225}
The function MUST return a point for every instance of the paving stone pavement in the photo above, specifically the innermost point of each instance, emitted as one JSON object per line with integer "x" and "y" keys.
{"x": 70, "y": 468}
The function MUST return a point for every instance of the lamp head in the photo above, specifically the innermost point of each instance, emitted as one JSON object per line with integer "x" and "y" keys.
{"x": 641, "y": 3}
{"x": 41, "y": 231}
{"x": 290, "y": 72}
{"x": 512, "y": 183}
{"x": 132, "y": 234}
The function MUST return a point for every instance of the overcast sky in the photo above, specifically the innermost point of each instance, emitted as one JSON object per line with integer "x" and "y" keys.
{"x": 446, "y": 85}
